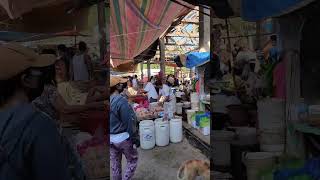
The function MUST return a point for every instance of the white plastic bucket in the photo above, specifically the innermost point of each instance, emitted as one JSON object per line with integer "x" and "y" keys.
{"x": 190, "y": 112}
{"x": 179, "y": 108}
{"x": 176, "y": 130}
{"x": 194, "y": 97}
{"x": 205, "y": 131}
{"x": 272, "y": 137}
{"x": 162, "y": 132}
{"x": 147, "y": 135}
{"x": 186, "y": 104}
{"x": 247, "y": 135}
{"x": 274, "y": 148}
{"x": 271, "y": 113}
{"x": 195, "y": 105}
{"x": 221, "y": 147}
{"x": 256, "y": 162}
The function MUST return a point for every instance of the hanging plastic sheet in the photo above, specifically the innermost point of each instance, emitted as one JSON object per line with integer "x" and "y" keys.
{"x": 195, "y": 59}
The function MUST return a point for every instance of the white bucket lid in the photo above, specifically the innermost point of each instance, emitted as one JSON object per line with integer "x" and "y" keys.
{"x": 222, "y": 135}
{"x": 176, "y": 119}
{"x": 146, "y": 123}
{"x": 191, "y": 111}
{"x": 246, "y": 130}
{"x": 259, "y": 155}
{"x": 160, "y": 121}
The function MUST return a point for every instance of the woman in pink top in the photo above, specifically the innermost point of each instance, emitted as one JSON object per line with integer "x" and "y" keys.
{"x": 279, "y": 77}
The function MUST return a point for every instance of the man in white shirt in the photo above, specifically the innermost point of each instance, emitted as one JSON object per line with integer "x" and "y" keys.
{"x": 151, "y": 90}
{"x": 167, "y": 92}
{"x": 135, "y": 82}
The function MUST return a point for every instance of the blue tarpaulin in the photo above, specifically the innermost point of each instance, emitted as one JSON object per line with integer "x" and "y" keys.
{"x": 197, "y": 58}
{"x": 253, "y": 10}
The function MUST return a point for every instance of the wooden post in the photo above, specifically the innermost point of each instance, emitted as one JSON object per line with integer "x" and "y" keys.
{"x": 258, "y": 35}
{"x": 102, "y": 29}
{"x": 141, "y": 68}
{"x": 230, "y": 51}
{"x": 162, "y": 58}
{"x": 149, "y": 69}
{"x": 106, "y": 56}
{"x": 201, "y": 28}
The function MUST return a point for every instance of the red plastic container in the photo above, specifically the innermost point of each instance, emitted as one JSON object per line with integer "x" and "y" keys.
{"x": 94, "y": 120}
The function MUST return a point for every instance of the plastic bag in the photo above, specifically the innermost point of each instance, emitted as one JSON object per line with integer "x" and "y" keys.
{"x": 94, "y": 155}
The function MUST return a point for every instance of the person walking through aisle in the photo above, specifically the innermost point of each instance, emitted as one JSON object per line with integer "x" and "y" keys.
{"x": 123, "y": 139}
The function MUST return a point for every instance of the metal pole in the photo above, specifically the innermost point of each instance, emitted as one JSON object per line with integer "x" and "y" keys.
{"x": 162, "y": 58}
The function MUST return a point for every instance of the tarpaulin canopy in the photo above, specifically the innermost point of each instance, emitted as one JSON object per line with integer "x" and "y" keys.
{"x": 24, "y": 37}
{"x": 51, "y": 18}
{"x": 16, "y": 8}
{"x": 136, "y": 24}
{"x": 195, "y": 59}
{"x": 253, "y": 10}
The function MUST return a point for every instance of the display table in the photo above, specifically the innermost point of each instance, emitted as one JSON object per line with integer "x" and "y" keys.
{"x": 311, "y": 136}
{"x": 306, "y": 128}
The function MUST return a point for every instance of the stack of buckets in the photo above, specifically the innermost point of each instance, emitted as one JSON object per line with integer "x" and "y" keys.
{"x": 199, "y": 120}
{"x": 271, "y": 116}
{"x": 160, "y": 132}
{"x": 195, "y": 101}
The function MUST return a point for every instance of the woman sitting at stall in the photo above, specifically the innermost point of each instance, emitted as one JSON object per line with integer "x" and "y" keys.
{"x": 53, "y": 103}
{"x": 129, "y": 92}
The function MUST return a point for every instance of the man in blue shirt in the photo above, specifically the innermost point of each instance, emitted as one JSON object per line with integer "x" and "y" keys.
{"x": 30, "y": 144}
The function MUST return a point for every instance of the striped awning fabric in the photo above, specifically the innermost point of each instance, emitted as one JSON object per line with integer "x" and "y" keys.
{"x": 136, "y": 24}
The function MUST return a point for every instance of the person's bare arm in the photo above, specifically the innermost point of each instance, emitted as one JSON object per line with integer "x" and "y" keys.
{"x": 89, "y": 64}
{"x": 63, "y": 108}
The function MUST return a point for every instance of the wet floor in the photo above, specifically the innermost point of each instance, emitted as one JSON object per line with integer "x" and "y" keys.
{"x": 163, "y": 162}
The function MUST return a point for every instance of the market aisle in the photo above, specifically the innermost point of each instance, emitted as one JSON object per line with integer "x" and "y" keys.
{"x": 163, "y": 162}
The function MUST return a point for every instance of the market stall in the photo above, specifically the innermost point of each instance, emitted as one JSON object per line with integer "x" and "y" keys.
{"x": 84, "y": 132}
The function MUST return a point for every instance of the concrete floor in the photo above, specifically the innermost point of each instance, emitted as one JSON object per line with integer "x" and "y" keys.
{"x": 163, "y": 162}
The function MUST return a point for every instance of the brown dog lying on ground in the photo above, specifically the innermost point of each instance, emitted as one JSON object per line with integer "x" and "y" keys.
{"x": 191, "y": 169}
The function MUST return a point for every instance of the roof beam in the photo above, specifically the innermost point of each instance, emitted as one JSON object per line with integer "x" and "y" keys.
{"x": 173, "y": 44}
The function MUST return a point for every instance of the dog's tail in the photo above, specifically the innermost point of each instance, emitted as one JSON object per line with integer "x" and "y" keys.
{"x": 180, "y": 174}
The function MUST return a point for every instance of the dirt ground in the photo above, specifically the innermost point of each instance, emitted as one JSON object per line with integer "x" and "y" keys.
{"x": 163, "y": 162}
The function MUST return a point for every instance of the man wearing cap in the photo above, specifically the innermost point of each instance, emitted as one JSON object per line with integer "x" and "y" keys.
{"x": 122, "y": 131}
{"x": 30, "y": 146}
